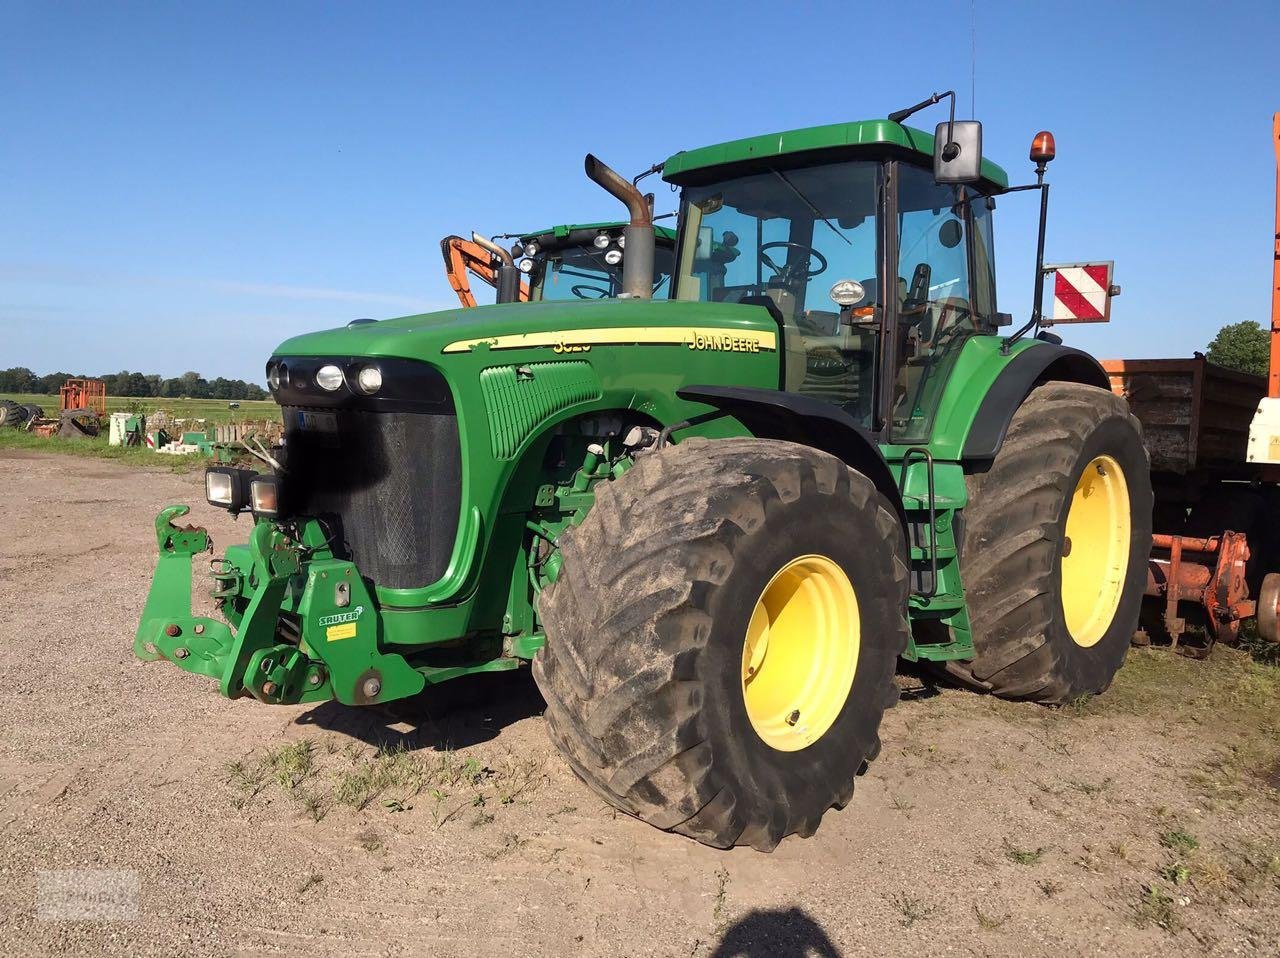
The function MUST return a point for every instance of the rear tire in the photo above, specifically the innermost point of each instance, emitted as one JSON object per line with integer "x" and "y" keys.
{"x": 1027, "y": 645}
{"x": 646, "y": 667}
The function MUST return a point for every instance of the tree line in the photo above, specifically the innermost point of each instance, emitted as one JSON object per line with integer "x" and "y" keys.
{"x": 190, "y": 385}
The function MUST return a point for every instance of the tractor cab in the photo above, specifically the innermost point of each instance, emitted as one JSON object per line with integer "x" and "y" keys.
{"x": 876, "y": 272}
{"x": 585, "y": 262}
{"x": 561, "y": 263}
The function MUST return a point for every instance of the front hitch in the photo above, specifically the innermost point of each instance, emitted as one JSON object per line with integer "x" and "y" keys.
{"x": 335, "y": 652}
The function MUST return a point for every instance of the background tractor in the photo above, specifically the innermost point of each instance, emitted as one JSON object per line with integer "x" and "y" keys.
{"x": 712, "y": 523}
{"x": 582, "y": 261}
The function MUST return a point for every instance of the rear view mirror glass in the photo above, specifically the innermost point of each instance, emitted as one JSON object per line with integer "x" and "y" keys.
{"x": 959, "y": 158}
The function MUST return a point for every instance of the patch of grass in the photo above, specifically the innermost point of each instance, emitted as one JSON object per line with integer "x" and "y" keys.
{"x": 1262, "y": 651}
{"x": 309, "y": 882}
{"x": 1156, "y": 907}
{"x": 289, "y": 764}
{"x": 97, "y": 448}
{"x": 369, "y": 840}
{"x": 249, "y": 779}
{"x": 912, "y": 909}
{"x": 1176, "y": 873}
{"x": 1120, "y": 850}
{"x": 212, "y": 410}
{"x": 1023, "y": 856}
{"x": 1179, "y": 841}
{"x": 722, "y": 894}
{"x": 389, "y": 768}
{"x": 1090, "y": 788}
{"x": 989, "y": 922}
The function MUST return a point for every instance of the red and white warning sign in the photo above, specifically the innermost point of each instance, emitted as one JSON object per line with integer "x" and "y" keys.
{"x": 1081, "y": 292}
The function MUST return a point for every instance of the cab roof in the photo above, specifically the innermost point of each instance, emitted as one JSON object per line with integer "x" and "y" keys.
{"x": 684, "y": 167}
{"x": 563, "y": 232}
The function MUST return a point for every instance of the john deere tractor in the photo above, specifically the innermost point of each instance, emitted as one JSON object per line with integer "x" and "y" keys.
{"x": 713, "y": 524}
{"x": 577, "y": 261}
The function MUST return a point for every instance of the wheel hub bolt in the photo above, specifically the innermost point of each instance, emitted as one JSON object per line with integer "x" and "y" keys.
{"x": 268, "y": 688}
{"x": 371, "y": 687}
{"x": 793, "y": 717}
{"x": 180, "y": 653}
{"x": 172, "y": 630}
{"x": 313, "y": 678}
{"x": 199, "y": 630}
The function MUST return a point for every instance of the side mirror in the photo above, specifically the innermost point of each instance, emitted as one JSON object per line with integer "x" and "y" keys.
{"x": 957, "y": 159}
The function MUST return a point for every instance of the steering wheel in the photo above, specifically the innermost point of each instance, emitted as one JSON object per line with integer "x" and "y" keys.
{"x": 582, "y": 290}
{"x": 784, "y": 272}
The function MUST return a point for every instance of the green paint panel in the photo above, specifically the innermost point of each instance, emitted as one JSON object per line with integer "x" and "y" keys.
{"x": 863, "y": 133}
{"x": 520, "y": 398}
{"x": 662, "y": 234}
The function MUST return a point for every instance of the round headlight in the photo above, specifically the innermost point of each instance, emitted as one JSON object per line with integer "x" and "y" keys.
{"x": 613, "y": 257}
{"x": 273, "y": 377}
{"x": 601, "y": 240}
{"x": 526, "y": 265}
{"x": 329, "y": 377}
{"x": 369, "y": 379}
{"x": 847, "y": 292}
{"x": 531, "y": 248}
{"x": 622, "y": 241}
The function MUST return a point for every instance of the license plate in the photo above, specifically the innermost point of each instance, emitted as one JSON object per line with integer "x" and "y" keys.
{"x": 322, "y": 422}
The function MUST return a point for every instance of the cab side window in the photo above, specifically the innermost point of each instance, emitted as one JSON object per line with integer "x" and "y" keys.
{"x": 937, "y": 311}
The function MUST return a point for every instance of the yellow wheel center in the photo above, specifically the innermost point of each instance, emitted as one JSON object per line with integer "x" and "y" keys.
{"x": 1095, "y": 552}
{"x": 800, "y": 653}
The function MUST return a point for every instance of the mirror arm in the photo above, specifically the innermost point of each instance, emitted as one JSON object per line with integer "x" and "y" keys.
{"x": 1038, "y": 295}
{"x": 949, "y": 150}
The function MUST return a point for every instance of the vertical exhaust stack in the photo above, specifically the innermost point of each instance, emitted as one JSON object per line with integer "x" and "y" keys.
{"x": 508, "y": 277}
{"x": 637, "y": 261}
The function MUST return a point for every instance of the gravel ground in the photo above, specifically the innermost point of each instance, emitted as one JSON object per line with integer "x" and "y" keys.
{"x": 1140, "y": 823}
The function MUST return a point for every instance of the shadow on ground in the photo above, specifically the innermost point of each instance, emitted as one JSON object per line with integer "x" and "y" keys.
{"x": 788, "y": 933}
{"x": 455, "y": 714}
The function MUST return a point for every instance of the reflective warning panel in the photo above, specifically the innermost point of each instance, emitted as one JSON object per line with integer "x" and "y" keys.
{"x": 1082, "y": 292}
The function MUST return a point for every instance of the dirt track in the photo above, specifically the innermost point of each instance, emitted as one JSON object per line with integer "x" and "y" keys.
{"x": 1141, "y": 823}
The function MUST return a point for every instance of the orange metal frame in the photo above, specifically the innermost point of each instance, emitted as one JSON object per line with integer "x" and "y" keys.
{"x": 1273, "y": 379}
{"x": 462, "y": 256}
{"x": 83, "y": 394}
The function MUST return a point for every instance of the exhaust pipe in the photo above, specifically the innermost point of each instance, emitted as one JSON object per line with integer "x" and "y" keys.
{"x": 637, "y": 260}
{"x": 508, "y": 275}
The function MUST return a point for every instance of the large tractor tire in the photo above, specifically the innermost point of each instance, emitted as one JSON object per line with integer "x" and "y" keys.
{"x": 722, "y": 638}
{"x": 10, "y": 413}
{"x": 1056, "y": 539}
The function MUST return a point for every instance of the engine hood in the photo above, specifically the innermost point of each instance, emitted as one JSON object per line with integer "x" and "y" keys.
{"x": 434, "y": 337}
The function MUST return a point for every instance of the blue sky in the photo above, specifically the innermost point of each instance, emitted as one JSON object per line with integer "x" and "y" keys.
{"x": 185, "y": 185}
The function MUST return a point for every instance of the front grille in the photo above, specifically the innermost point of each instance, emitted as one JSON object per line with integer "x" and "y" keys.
{"x": 387, "y": 484}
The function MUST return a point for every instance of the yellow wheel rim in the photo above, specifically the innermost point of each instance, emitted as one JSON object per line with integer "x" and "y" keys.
{"x": 1095, "y": 552}
{"x": 800, "y": 653}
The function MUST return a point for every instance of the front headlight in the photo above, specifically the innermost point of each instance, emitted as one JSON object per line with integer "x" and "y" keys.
{"x": 613, "y": 257}
{"x": 601, "y": 241}
{"x": 369, "y": 380}
{"x": 329, "y": 377}
{"x": 224, "y": 487}
{"x": 277, "y": 376}
{"x": 264, "y": 496}
{"x": 526, "y": 265}
{"x": 531, "y": 248}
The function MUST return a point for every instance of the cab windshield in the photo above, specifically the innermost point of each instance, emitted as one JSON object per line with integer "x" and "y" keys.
{"x": 793, "y": 240}
{"x": 581, "y": 272}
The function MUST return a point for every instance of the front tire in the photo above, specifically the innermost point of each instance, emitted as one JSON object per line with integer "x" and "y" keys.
{"x": 1057, "y": 536}
{"x": 722, "y": 638}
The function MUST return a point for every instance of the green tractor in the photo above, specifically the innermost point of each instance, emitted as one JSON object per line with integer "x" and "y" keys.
{"x": 575, "y": 261}
{"x": 712, "y": 524}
